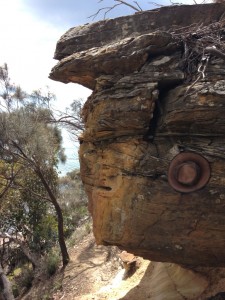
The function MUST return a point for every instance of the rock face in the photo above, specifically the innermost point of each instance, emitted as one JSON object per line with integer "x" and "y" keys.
{"x": 158, "y": 91}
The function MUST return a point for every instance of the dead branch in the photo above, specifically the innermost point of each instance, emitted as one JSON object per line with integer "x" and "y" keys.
{"x": 107, "y": 9}
{"x": 138, "y": 8}
{"x": 200, "y": 43}
{"x": 73, "y": 122}
{"x": 156, "y": 4}
{"x": 214, "y": 51}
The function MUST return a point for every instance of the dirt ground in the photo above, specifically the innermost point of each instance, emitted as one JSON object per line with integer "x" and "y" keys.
{"x": 96, "y": 273}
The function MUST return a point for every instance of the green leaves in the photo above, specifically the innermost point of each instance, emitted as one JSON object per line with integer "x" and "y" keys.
{"x": 30, "y": 142}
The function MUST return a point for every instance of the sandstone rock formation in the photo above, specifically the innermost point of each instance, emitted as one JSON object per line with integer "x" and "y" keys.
{"x": 158, "y": 90}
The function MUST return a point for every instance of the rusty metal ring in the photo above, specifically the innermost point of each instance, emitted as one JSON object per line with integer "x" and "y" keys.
{"x": 188, "y": 172}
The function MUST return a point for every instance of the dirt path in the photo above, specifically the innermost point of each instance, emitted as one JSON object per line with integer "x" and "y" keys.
{"x": 95, "y": 273}
{"x": 91, "y": 268}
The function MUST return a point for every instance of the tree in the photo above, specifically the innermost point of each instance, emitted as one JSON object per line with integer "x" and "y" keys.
{"x": 73, "y": 201}
{"x": 30, "y": 139}
{"x": 26, "y": 221}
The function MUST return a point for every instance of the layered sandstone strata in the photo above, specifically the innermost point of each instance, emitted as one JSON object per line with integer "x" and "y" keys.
{"x": 151, "y": 102}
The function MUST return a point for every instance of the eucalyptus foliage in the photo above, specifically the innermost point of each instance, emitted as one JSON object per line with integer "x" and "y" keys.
{"x": 30, "y": 149}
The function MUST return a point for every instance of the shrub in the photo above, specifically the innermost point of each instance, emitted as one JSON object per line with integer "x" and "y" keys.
{"x": 51, "y": 263}
{"x": 25, "y": 279}
{"x": 15, "y": 289}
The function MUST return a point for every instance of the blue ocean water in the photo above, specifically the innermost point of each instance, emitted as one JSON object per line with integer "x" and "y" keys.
{"x": 71, "y": 150}
{"x": 71, "y": 164}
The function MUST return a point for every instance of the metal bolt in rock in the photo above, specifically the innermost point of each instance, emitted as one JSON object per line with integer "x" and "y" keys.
{"x": 188, "y": 172}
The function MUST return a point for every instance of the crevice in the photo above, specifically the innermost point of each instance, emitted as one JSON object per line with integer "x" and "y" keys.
{"x": 150, "y": 135}
{"x": 164, "y": 87}
{"x": 107, "y": 188}
{"x": 154, "y": 175}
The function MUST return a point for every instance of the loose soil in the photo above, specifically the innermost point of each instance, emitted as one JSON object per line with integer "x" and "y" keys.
{"x": 96, "y": 273}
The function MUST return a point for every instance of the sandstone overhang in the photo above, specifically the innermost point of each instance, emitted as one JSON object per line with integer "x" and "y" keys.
{"x": 158, "y": 81}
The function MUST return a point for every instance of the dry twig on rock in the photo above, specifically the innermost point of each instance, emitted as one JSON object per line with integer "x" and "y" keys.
{"x": 199, "y": 44}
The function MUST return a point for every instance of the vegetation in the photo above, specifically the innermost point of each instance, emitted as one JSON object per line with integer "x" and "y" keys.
{"x": 74, "y": 208}
{"x": 35, "y": 204}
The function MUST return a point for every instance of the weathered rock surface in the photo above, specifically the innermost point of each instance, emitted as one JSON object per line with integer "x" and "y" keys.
{"x": 144, "y": 110}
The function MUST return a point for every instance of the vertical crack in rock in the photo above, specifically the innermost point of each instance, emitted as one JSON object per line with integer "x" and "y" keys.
{"x": 160, "y": 98}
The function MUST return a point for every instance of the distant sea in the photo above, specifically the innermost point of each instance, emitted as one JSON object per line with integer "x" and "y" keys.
{"x": 71, "y": 164}
{"x": 71, "y": 150}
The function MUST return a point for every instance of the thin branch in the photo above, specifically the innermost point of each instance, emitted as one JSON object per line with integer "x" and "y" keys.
{"x": 23, "y": 188}
{"x": 175, "y": 3}
{"x": 23, "y": 154}
{"x": 10, "y": 180}
{"x": 119, "y": 2}
{"x": 216, "y": 52}
{"x": 130, "y": 5}
{"x": 106, "y": 9}
{"x": 140, "y": 9}
{"x": 68, "y": 121}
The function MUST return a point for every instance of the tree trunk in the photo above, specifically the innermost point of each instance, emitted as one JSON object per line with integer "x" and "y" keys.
{"x": 62, "y": 243}
{"x": 31, "y": 256}
{"x": 7, "y": 289}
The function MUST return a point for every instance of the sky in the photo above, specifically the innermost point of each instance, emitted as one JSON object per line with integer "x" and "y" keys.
{"x": 29, "y": 31}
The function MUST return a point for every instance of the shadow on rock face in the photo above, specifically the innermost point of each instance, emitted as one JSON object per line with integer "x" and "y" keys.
{"x": 219, "y": 296}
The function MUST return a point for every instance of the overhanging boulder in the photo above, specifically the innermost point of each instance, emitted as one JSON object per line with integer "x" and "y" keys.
{"x": 158, "y": 93}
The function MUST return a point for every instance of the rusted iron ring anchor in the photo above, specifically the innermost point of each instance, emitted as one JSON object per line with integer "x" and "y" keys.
{"x": 188, "y": 172}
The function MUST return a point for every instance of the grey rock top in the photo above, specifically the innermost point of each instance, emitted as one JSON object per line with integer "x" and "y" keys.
{"x": 122, "y": 45}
